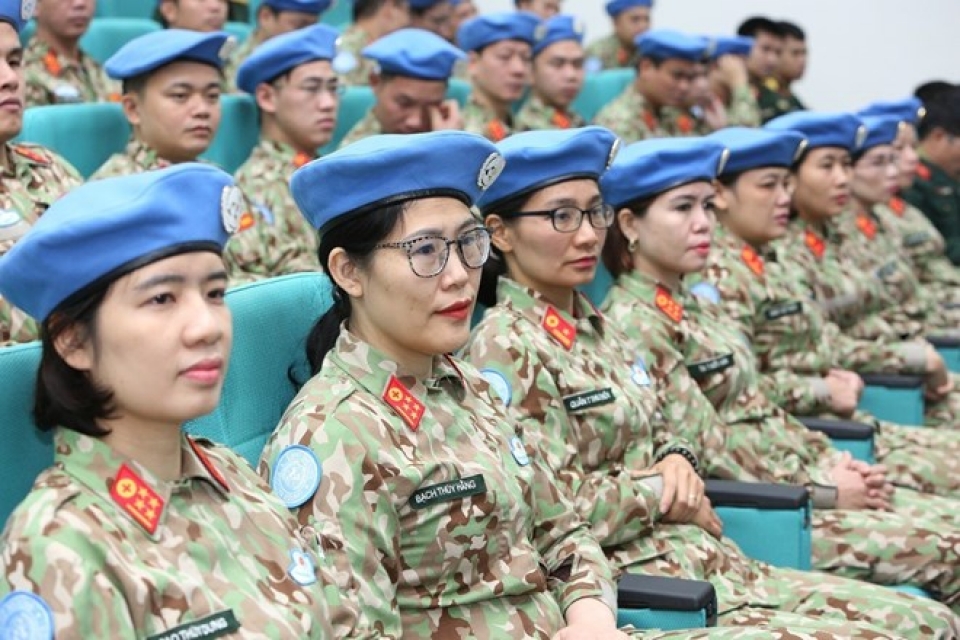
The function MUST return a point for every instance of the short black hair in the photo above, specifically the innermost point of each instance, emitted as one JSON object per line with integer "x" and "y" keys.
{"x": 759, "y": 24}
{"x": 943, "y": 112}
{"x": 791, "y": 30}
{"x": 367, "y": 8}
{"x": 930, "y": 91}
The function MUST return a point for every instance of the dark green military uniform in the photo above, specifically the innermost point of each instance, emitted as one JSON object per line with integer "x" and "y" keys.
{"x": 773, "y": 102}
{"x": 938, "y": 196}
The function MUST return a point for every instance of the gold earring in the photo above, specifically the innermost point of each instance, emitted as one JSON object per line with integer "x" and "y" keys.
{"x": 632, "y": 245}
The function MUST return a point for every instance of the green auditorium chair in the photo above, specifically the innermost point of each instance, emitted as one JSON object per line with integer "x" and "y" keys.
{"x": 126, "y": 8}
{"x": 85, "y": 134}
{"x": 27, "y": 32}
{"x": 239, "y": 30}
{"x": 459, "y": 90}
{"x": 238, "y": 132}
{"x": 106, "y": 35}
{"x": 600, "y": 89}
{"x": 340, "y": 15}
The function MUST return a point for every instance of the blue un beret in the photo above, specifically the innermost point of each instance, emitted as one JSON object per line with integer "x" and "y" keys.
{"x": 880, "y": 130}
{"x": 557, "y": 29}
{"x": 538, "y": 159}
{"x": 16, "y": 12}
{"x": 755, "y": 148}
{"x": 484, "y": 30}
{"x": 728, "y": 46}
{"x": 616, "y": 7}
{"x": 284, "y": 52}
{"x": 387, "y": 169}
{"x": 424, "y": 4}
{"x": 843, "y": 130}
{"x": 666, "y": 44}
{"x": 158, "y": 48}
{"x": 414, "y": 53}
{"x": 303, "y": 6}
{"x": 648, "y": 168}
{"x": 908, "y": 110}
{"x": 105, "y": 227}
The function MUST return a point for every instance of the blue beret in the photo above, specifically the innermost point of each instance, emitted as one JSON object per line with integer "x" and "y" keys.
{"x": 908, "y": 110}
{"x": 646, "y": 169}
{"x": 728, "y": 46}
{"x": 756, "y": 148}
{"x": 16, "y": 12}
{"x": 843, "y": 130}
{"x": 616, "y": 7}
{"x": 157, "y": 48}
{"x": 537, "y": 159}
{"x": 666, "y": 44}
{"x": 483, "y": 30}
{"x": 557, "y": 29}
{"x": 386, "y": 169}
{"x": 284, "y": 52}
{"x": 880, "y": 130}
{"x": 424, "y": 4}
{"x": 105, "y": 227}
{"x": 414, "y": 53}
{"x": 303, "y": 6}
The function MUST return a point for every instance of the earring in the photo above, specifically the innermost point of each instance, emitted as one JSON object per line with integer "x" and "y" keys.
{"x": 632, "y": 245}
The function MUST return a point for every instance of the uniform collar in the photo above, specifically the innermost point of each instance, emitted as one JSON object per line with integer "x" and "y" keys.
{"x": 284, "y": 152}
{"x": 53, "y": 62}
{"x": 560, "y": 119}
{"x": 145, "y": 156}
{"x": 532, "y": 306}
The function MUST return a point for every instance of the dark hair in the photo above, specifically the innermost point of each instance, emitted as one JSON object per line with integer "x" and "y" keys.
{"x": 759, "y": 24}
{"x": 930, "y": 91}
{"x": 368, "y": 8}
{"x": 616, "y": 254}
{"x": 358, "y": 236}
{"x": 943, "y": 112}
{"x": 135, "y": 84}
{"x": 273, "y": 11}
{"x": 496, "y": 266}
{"x": 67, "y": 397}
{"x": 790, "y": 30}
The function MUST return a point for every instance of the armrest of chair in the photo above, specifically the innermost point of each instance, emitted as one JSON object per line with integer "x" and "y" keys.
{"x": 756, "y": 495}
{"x": 665, "y": 603}
{"x": 944, "y": 342}
{"x": 892, "y": 380}
{"x": 839, "y": 429}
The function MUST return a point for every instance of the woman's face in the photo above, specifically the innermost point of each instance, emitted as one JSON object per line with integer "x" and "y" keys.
{"x": 544, "y": 259}
{"x": 673, "y": 237}
{"x": 876, "y": 177}
{"x": 822, "y": 183}
{"x": 409, "y": 317}
{"x": 756, "y": 208}
{"x": 162, "y": 341}
{"x": 907, "y": 157}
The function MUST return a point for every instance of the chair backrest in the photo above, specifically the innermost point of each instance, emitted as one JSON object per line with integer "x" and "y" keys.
{"x": 106, "y": 35}
{"x": 340, "y": 15}
{"x": 239, "y": 30}
{"x": 600, "y": 89}
{"x": 600, "y": 285}
{"x": 238, "y": 132}
{"x": 126, "y": 8}
{"x": 85, "y": 134}
{"x": 459, "y": 90}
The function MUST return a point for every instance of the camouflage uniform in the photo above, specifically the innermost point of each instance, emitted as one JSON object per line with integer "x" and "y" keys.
{"x": 240, "y": 54}
{"x": 632, "y": 120}
{"x": 278, "y": 240}
{"x": 743, "y": 110}
{"x": 366, "y": 127}
{"x": 136, "y": 158}
{"x": 698, "y": 348}
{"x": 117, "y": 553}
{"x": 595, "y": 418}
{"x": 772, "y": 102}
{"x": 937, "y": 195}
{"x": 609, "y": 53}
{"x": 52, "y": 79}
{"x": 448, "y": 533}
{"x": 351, "y": 42}
{"x": 483, "y": 121}
{"x": 37, "y": 177}
{"x": 795, "y": 346}
{"x": 536, "y": 115}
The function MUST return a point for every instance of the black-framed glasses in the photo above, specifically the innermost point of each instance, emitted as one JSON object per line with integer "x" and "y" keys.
{"x": 568, "y": 219}
{"x": 428, "y": 255}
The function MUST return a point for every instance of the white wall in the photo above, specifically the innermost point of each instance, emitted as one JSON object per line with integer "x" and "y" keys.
{"x": 861, "y": 50}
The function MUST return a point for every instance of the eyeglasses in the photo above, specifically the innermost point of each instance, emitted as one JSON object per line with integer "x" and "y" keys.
{"x": 568, "y": 219}
{"x": 428, "y": 255}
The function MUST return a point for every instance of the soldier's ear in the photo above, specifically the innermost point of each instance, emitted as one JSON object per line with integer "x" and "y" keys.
{"x": 74, "y": 345}
{"x": 345, "y": 272}
{"x": 266, "y": 96}
{"x": 130, "y": 102}
{"x": 500, "y": 234}
{"x": 722, "y": 198}
{"x": 628, "y": 223}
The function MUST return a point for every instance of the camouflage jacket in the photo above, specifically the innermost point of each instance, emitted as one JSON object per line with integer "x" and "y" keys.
{"x": 608, "y": 53}
{"x": 743, "y": 110}
{"x": 114, "y": 552}
{"x": 366, "y": 127}
{"x": 536, "y": 115}
{"x": 937, "y": 195}
{"x": 52, "y": 79}
{"x": 136, "y": 158}
{"x": 350, "y": 44}
{"x": 275, "y": 239}
{"x": 709, "y": 369}
{"x": 240, "y": 54}
{"x": 483, "y": 121}
{"x": 449, "y": 522}
{"x": 37, "y": 177}
{"x": 633, "y": 120}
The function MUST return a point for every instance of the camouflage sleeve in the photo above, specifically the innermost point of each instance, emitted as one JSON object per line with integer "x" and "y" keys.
{"x": 743, "y": 110}
{"x": 876, "y": 356}
{"x": 15, "y": 325}
{"x": 35, "y": 93}
{"x": 796, "y": 394}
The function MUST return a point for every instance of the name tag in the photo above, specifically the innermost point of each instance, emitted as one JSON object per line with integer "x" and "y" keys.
{"x": 448, "y": 491}
{"x": 702, "y": 369}
{"x": 887, "y": 270}
{"x": 213, "y": 626}
{"x": 588, "y": 400}
{"x": 783, "y": 310}
{"x": 915, "y": 239}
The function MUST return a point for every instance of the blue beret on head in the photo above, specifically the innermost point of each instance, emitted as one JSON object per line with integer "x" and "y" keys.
{"x": 17, "y": 12}
{"x": 557, "y": 29}
{"x": 756, "y": 148}
{"x": 616, "y": 7}
{"x": 286, "y": 51}
{"x": 303, "y": 6}
{"x": 414, "y": 53}
{"x": 424, "y": 4}
{"x": 843, "y": 130}
{"x": 666, "y": 44}
{"x": 880, "y": 130}
{"x": 157, "y": 48}
{"x": 728, "y": 46}
{"x": 646, "y": 169}
{"x": 908, "y": 110}
{"x": 389, "y": 169}
{"x": 483, "y": 30}
{"x": 538, "y": 159}
{"x": 107, "y": 228}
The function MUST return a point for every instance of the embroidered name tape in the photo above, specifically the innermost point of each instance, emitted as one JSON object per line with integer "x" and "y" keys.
{"x": 588, "y": 400}
{"x": 778, "y": 311}
{"x": 702, "y": 369}
{"x": 448, "y": 491}
{"x": 915, "y": 239}
{"x": 216, "y": 625}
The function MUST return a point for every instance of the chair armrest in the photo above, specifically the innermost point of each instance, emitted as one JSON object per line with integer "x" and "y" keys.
{"x": 665, "y": 603}
{"x": 839, "y": 429}
{"x": 944, "y": 342}
{"x": 756, "y": 495}
{"x": 892, "y": 380}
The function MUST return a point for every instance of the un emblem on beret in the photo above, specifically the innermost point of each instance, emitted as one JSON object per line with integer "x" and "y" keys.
{"x": 227, "y": 48}
{"x": 231, "y": 208}
{"x": 540, "y": 32}
{"x": 614, "y": 152}
{"x": 800, "y": 149}
{"x": 861, "y": 137}
{"x": 724, "y": 157}
{"x": 27, "y": 9}
{"x": 491, "y": 168}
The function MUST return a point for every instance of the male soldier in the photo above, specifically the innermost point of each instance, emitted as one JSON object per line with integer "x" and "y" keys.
{"x": 31, "y": 177}
{"x": 557, "y": 76}
{"x": 372, "y": 19}
{"x": 936, "y": 191}
{"x": 652, "y": 106}
{"x": 631, "y": 18}
{"x": 194, "y": 15}
{"x": 498, "y": 46}
{"x": 463, "y": 10}
{"x": 297, "y": 92}
{"x": 57, "y": 70}
{"x": 543, "y": 8}
{"x": 410, "y": 85}
{"x": 273, "y": 18}
{"x": 171, "y": 97}
{"x": 433, "y": 15}
{"x": 763, "y": 64}
{"x": 793, "y": 61}
{"x": 730, "y": 84}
